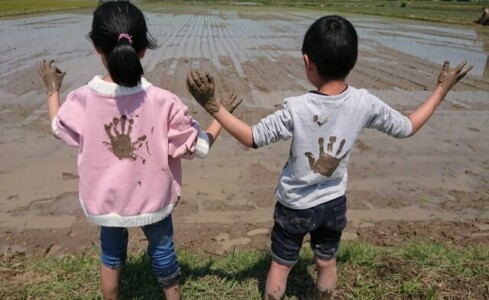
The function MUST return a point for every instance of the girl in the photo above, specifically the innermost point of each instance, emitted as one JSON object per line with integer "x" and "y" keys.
{"x": 130, "y": 136}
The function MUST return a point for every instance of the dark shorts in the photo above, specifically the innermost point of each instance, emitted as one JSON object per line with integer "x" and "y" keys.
{"x": 324, "y": 223}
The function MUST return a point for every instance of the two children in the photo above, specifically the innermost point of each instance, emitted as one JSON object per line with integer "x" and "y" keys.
{"x": 311, "y": 189}
{"x": 131, "y": 137}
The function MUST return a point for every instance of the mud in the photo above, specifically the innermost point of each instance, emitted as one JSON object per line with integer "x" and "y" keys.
{"x": 434, "y": 185}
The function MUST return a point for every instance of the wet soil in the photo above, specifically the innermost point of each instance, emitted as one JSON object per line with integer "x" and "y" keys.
{"x": 434, "y": 185}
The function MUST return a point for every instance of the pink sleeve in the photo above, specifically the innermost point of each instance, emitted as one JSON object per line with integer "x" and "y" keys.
{"x": 67, "y": 124}
{"x": 182, "y": 133}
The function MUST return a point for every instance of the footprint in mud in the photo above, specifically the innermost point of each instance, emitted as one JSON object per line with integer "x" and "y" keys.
{"x": 227, "y": 244}
{"x": 257, "y": 231}
{"x": 69, "y": 176}
{"x": 362, "y": 146}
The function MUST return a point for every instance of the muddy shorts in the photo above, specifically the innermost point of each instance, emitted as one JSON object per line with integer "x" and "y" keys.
{"x": 324, "y": 223}
{"x": 160, "y": 249}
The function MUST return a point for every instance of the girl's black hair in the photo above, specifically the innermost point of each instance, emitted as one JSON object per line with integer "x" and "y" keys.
{"x": 331, "y": 43}
{"x": 110, "y": 20}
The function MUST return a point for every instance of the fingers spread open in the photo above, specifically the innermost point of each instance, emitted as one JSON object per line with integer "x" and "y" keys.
{"x": 460, "y": 66}
{"x": 42, "y": 66}
{"x": 238, "y": 103}
{"x": 190, "y": 80}
{"x": 40, "y": 69}
{"x": 187, "y": 83}
{"x": 209, "y": 78}
{"x": 464, "y": 72}
{"x": 197, "y": 77}
{"x": 194, "y": 77}
{"x": 446, "y": 65}
{"x": 51, "y": 64}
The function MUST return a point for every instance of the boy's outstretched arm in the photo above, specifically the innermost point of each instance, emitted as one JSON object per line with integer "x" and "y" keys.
{"x": 446, "y": 80}
{"x": 201, "y": 86}
{"x": 230, "y": 104}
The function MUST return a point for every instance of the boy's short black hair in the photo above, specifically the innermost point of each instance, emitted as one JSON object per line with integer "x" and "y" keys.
{"x": 331, "y": 43}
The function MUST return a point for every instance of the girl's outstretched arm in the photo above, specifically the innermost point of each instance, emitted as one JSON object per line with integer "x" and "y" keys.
{"x": 215, "y": 127}
{"x": 446, "y": 80}
{"x": 52, "y": 77}
{"x": 213, "y": 132}
{"x": 201, "y": 86}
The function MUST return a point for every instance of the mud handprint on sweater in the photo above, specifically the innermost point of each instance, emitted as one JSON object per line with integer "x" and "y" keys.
{"x": 316, "y": 120}
{"x": 326, "y": 164}
{"x": 120, "y": 138}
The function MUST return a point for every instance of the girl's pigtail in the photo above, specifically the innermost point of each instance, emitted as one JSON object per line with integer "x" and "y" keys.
{"x": 124, "y": 63}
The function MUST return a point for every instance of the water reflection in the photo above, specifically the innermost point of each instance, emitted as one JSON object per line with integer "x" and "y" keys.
{"x": 429, "y": 40}
{"x": 483, "y": 38}
{"x": 242, "y": 38}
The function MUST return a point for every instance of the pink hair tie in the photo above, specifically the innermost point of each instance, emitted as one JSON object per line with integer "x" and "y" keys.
{"x": 126, "y": 36}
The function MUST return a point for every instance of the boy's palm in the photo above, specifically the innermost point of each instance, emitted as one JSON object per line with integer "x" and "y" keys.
{"x": 448, "y": 78}
{"x": 201, "y": 86}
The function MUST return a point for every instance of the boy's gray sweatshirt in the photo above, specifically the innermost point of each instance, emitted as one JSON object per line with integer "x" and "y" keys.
{"x": 323, "y": 131}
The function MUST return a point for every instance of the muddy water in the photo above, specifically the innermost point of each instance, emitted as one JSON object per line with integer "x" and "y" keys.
{"x": 257, "y": 54}
{"x": 434, "y": 42}
{"x": 239, "y": 35}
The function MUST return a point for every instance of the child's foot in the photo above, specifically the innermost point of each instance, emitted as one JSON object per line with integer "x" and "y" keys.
{"x": 323, "y": 295}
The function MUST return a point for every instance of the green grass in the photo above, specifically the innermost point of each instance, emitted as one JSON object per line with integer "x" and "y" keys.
{"x": 22, "y": 7}
{"x": 462, "y": 12}
{"x": 438, "y": 11}
{"x": 416, "y": 270}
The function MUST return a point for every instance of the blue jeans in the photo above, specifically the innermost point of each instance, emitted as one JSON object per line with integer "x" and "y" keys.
{"x": 160, "y": 249}
{"x": 324, "y": 223}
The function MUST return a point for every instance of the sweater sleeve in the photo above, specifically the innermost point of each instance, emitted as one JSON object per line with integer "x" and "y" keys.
{"x": 183, "y": 132}
{"x": 388, "y": 120}
{"x": 273, "y": 128}
{"x": 202, "y": 146}
{"x": 67, "y": 124}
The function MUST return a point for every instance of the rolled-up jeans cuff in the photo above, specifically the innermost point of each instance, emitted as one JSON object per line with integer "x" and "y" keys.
{"x": 113, "y": 265}
{"x": 170, "y": 279}
{"x": 326, "y": 256}
{"x": 283, "y": 261}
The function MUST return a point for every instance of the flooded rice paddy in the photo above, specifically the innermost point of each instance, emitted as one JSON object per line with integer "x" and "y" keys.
{"x": 440, "y": 175}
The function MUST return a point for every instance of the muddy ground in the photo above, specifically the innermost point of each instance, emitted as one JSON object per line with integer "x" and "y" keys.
{"x": 434, "y": 185}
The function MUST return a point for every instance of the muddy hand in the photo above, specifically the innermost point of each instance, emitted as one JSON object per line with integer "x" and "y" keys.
{"x": 201, "y": 86}
{"x": 448, "y": 78}
{"x": 230, "y": 103}
{"x": 51, "y": 75}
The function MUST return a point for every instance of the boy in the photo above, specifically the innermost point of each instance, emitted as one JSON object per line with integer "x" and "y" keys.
{"x": 311, "y": 189}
